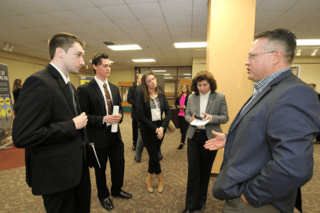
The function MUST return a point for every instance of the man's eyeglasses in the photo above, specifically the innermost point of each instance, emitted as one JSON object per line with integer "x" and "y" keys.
{"x": 251, "y": 56}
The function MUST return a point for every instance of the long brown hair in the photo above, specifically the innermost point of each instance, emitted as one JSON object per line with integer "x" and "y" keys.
{"x": 16, "y": 84}
{"x": 145, "y": 87}
{"x": 188, "y": 90}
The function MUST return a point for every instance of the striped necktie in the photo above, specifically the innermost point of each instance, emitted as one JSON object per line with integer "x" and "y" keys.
{"x": 109, "y": 101}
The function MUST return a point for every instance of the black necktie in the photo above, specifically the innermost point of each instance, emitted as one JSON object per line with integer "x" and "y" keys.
{"x": 72, "y": 97}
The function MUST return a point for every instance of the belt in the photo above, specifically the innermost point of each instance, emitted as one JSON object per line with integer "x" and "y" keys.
{"x": 200, "y": 130}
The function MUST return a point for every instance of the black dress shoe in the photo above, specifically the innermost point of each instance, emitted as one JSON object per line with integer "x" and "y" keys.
{"x": 107, "y": 204}
{"x": 187, "y": 211}
{"x": 137, "y": 160}
{"x": 160, "y": 157}
{"x": 134, "y": 147}
{"x": 181, "y": 146}
{"x": 123, "y": 195}
{"x": 201, "y": 207}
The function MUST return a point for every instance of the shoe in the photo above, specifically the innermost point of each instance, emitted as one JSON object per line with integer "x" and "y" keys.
{"x": 181, "y": 146}
{"x": 187, "y": 211}
{"x": 107, "y": 204}
{"x": 160, "y": 185}
{"x": 123, "y": 195}
{"x": 160, "y": 157}
{"x": 137, "y": 160}
{"x": 149, "y": 185}
{"x": 201, "y": 207}
{"x": 134, "y": 147}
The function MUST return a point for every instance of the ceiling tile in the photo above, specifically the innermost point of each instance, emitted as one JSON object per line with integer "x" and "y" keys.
{"x": 103, "y": 3}
{"x": 146, "y": 10}
{"x": 200, "y": 7}
{"x": 306, "y": 5}
{"x": 6, "y": 12}
{"x": 19, "y": 7}
{"x": 67, "y": 17}
{"x": 276, "y": 5}
{"x": 138, "y": 35}
{"x": 158, "y": 32}
{"x": 129, "y": 24}
{"x": 315, "y": 18}
{"x": 199, "y": 21}
{"x": 176, "y": 8}
{"x": 179, "y": 22}
{"x": 75, "y": 4}
{"x": 268, "y": 17}
{"x": 295, "y": 17}
{"x": 46, "y": 5}
{"x": 91, "y": 15}
{"x": 106, "y": 26}
{"x": 139, "y": 1}
{"x": 66, "y": 28}
{"x": 154, "y": 23}
{"x": 44, "y": 19}
{"x": 84, "y": 28}
{"x": 119, "y": 37}
{"x": 120, "y": 12}
{"x": 199, "y": 34}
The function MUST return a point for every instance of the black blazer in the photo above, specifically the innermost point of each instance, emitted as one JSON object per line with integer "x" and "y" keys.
{"x": 144, "y": 112}
{"x": 131, "y": 100}
{"x": 92, "y": 102}
{"x": 43, "y": 126}
{"x": 177, "y": 103}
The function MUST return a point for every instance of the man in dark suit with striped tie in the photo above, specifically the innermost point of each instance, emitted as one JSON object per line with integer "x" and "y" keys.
{"x": 97, "y": 99}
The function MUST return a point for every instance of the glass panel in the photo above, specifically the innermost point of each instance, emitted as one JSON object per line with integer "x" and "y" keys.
{"x": 170, "y": 92}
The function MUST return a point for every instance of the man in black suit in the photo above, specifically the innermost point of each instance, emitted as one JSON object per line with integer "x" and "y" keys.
{"x": 49, "y": 127}
{"x": 97, "y": 99}
{"x": 314, "y": 86}
{"x": 131, "y": 100}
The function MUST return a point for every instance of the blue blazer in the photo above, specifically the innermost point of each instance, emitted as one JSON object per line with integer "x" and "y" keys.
{"x": 269, "y": 148}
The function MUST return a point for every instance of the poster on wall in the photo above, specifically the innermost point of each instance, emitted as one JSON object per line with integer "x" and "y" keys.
{"x": 85, "y": 79}
{"x": 6, "y": 112}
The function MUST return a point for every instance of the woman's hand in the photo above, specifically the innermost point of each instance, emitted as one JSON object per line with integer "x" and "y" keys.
{"x": 159, "y": 132}
{"x": 206, "y": 117}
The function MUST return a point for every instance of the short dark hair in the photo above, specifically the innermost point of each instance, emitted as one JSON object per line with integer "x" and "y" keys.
{"x": 285, "y": 38}
{"x": 314, "y": 85}
{"x": 203, "y": 75}
{"x": 64, "y": 41}
{"x": 96, "y": 60}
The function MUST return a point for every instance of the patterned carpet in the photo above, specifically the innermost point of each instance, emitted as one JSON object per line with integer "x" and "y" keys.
{"x": 15, "y": 195}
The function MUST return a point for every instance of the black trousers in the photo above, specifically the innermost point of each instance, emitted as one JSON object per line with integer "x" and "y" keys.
{"x": 114, "y": 151}
{"x": 153, "y": 144}
{"x": 200, "y": 162}
{"x": 74, "y": 200}
{"x": 183, "y": 124}
{"x": 134, "y": 131}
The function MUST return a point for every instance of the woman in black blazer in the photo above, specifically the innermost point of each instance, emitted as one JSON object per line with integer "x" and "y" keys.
{"x": 150, "y": 105}
{"x": 181, "y": 105}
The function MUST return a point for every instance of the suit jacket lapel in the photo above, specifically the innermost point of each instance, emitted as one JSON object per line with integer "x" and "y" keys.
{"x": 210, "y": 103}
{"x": 96, "y": 88}
{"x": 257, "y": 99}
{"x": 63, "y": 85}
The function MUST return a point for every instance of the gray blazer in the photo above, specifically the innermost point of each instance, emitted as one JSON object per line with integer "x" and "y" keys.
{"x": 216, "y": 107}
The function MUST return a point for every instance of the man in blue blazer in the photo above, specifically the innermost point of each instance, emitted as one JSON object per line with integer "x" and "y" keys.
{"x": 97, "y": 99}
{"x": 269, "y": 150}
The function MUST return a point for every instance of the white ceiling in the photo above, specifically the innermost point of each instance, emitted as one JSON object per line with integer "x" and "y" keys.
{"x": 153, "y": 24}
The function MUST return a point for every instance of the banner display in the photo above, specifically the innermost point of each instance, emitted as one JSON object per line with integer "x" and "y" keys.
{"x": 6, "y": 109}
{"x": 85, "y": 79}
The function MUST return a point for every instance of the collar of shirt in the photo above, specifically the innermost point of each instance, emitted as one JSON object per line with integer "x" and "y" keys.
{"x": 206, "y": 95}
{"x": 64, "y": 77}
{"x": 259, "y": 86}
{"x": 100, "y": 83}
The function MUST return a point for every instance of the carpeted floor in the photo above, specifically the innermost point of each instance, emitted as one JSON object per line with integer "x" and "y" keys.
{"x": 15, "y": 195}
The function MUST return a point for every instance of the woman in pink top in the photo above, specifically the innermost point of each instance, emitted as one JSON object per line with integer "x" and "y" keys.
{"x": 181, "y": 104}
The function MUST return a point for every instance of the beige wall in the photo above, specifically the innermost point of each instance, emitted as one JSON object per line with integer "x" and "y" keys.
{"x": 122, "y": 76}
{"x": 309, "y": 69}
{"x": 198, "y": 65}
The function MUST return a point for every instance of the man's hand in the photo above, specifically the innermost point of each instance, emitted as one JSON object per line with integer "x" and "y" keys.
{"x": 80, "y": 121}
{"x": 112, "y": 119}
{"x": 216, "y": 143}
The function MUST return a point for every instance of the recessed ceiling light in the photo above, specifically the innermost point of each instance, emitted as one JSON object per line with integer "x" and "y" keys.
{"x": 144, "y": 60}
{"x": 190, "y": 44}
{"x": 186, "y": 73}
{"x": 124, "y": 47}
{"x": 159, "y": 70}
{"x": 308, "y": 42}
